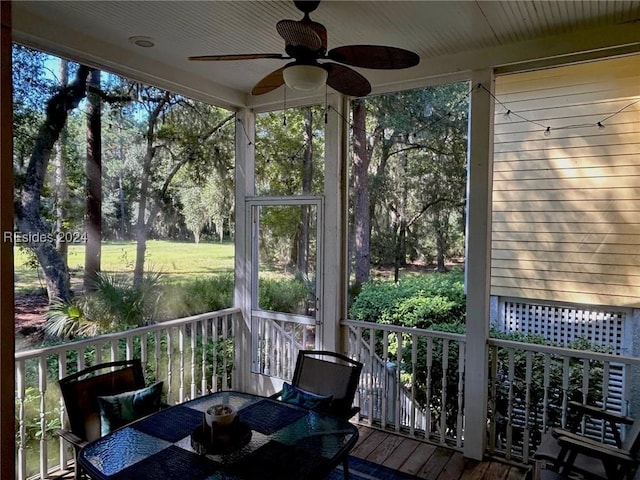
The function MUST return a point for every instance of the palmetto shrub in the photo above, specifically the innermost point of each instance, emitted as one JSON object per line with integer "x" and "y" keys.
{"x": 114, "y": 304}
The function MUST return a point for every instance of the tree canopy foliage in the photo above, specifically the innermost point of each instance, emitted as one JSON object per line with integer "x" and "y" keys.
{"x": 167, "y": 167}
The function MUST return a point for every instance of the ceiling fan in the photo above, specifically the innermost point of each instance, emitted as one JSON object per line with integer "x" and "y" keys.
{"x": 306, "y": 44}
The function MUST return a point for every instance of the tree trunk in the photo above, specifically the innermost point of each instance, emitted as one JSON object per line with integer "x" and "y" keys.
{"x": 28, "y": 217}
{"x": 93, "y": 173}
{"x": 361, "y": 201}
{"x": 123, "y": 207}
{"x": 302, "y": 263}
{"x": 401, "y": 240}
{"x": 60, "y": 179}
{"x": 143, "y": 224}
{"x": 441, "y": 240}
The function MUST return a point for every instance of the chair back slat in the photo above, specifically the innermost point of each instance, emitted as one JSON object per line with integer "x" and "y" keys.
{"x": 81, "y": 390}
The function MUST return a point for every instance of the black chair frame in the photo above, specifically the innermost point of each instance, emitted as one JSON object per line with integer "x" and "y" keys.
{"x": 341, "y": 407}
{"x": 81, "y": 389}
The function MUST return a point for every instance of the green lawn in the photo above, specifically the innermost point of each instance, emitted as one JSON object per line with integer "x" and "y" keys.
{"x": 177, "y": 260}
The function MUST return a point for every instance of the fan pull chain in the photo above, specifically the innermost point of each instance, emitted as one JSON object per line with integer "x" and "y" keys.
{"x": 326, "y": 105}
{"x": 284, "y": 109}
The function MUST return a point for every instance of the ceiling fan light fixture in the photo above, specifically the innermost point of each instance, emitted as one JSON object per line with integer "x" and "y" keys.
{"x": 305, "y": 78}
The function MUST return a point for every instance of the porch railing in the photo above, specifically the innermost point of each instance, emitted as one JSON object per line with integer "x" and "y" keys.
{"x": 193, "y": 356}
{"x": 531, "y": 385}
{"x": 412, "y": 380}
{"x": 276, "y": 339}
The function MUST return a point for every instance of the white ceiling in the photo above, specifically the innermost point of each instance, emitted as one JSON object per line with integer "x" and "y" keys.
{"x": 449, "y": 36}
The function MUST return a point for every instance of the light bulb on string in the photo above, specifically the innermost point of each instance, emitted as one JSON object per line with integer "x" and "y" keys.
{"x": 600, "y": 125}
{"x": 428, "y": 110}
{"x": 547, "y": 132}
{"x": 507, "y": 114}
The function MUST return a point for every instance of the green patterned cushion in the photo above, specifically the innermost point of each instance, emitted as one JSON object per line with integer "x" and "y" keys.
{"x": 302, "y": 398}
{"x": 118, "y": 410}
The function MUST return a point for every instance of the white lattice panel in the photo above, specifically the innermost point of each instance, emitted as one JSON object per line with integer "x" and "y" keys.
{"x": 564, "y": 325}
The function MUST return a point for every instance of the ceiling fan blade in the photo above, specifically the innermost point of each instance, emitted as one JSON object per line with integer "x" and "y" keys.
{"x": 296, "y": 33}
{"x": 270, "y": 82}
{"x": 374, "y": 56}
{"x": 243, "y": 56}
{"x": 346, "y": 80}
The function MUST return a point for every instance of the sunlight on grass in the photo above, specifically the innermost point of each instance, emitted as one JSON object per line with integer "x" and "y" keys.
{"x": 178, "y": 261}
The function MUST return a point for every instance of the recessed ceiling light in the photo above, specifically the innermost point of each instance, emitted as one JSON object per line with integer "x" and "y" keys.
{"x": 141, "y": 41}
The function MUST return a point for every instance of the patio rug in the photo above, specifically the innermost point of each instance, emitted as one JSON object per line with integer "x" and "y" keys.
{"x": 363, "y": 470}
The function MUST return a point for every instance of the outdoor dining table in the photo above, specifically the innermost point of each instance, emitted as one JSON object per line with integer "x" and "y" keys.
{"x": 286, "y": 442}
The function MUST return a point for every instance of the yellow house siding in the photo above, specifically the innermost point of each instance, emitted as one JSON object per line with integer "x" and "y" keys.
{"x": 566, "y": 206}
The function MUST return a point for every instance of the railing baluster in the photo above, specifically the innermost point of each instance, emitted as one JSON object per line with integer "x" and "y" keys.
{"x": 546, "y": 385}
{"x": 114, "y": 350}
{"x": 234, "y": 332}
{"x": 565, "y": 389}
{"x": 216, "y": 343}
{"x": 22, "y": 429}
{"x": 193, "y": 334}
{"x": 443, "y": 393}
{"x": 157, "y": 342}
{"x": 414, "y": 385}
{"x": 605, "y": 395}
{"x": 527, "y": 406}
{"x": 427, "y": 431}
{"x": 203, "y": 361}
{"x": 493, "y": 386}
{"x": 62, "y": 372}
{"x": 144, "y": 350}
{"x": 385, "y": 378}
{"x": 129, "y": 347}
{"x": 358, "y": 356}
{"x": 42, "y": 388}
{"x": 181, "y": 334}
{"x": 277, "y": 349}
{"x": 372, "y": 385}
{"x": 460, "y": 418}
{"x": 585, "y": 389}
{"x": 169, "y": 366}
{"x": 225, "y": 363}
{"x": 511, "y": 379}
{"x": 98, "y": 355}
{"x": 79, "y": 359}
{"x": 398, "y": 384}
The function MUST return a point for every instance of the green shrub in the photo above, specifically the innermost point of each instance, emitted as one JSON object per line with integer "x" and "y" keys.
{"x": 202, "y": 295}
{"x": 118, "y": 305}
{"x": 289, "y": 295}
{"x": 419, "y": 301}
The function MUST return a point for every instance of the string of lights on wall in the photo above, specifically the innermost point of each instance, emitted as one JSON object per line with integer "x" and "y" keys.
{"x": 546, "y": 129}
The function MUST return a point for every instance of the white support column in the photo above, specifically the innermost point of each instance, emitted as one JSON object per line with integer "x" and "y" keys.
{"x": 478, "y": 263}
{"x": 332, "y": 284}
{"x": 245, "y": 186}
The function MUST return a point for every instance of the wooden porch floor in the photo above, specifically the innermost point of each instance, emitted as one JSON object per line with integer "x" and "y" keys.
{"x": 413, "y": 457}
{"x": 429, "y": 461}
